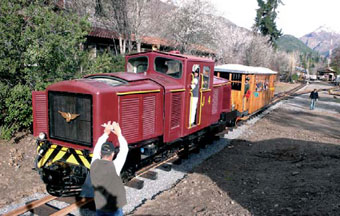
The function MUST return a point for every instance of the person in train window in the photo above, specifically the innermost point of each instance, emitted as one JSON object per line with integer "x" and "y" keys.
{"x": 194, "y": 87}
{"x": 206, "y": 78}
{"x": 259, "y": 86}
{"x": 164, "y": 68}
{"x": 246, "y": 85}
{"x": 246, "y": 94}
{"x": 107, "y": 163}
{"x": 266, "y": 85}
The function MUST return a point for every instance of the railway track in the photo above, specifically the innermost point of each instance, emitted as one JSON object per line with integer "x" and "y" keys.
{"x": 42, "y": 206}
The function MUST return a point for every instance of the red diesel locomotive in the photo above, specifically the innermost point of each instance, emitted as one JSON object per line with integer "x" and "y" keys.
{"x": 152, "y": 101}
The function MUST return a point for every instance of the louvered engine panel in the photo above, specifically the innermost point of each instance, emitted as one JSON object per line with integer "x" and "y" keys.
{"x": 215, "y": 100}
{"x": 176, "y": 104}
{"x": 39, "y": 101}
{"x": 149, "y": 115}
{"x": 226, "y": 97}
{"x": 129, "y": 115}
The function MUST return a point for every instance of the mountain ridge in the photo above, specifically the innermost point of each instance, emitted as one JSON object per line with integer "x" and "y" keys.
{"x": 322, "y": 40}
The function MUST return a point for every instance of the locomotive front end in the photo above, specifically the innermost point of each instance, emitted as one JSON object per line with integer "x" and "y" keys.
{"x": 64, "y": 168}
{"x": 63, "y": 122}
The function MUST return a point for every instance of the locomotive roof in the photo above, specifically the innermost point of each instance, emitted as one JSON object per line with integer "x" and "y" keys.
{"x": 237, "y": 68}
{"x": 176, "y": 54}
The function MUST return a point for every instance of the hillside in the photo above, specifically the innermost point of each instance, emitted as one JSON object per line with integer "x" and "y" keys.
{"x": 290, "y": 43}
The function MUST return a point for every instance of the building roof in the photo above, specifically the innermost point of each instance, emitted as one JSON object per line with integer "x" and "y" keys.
{"x": 109, "y": 34}
{"x": 237, "y": 68}
{"x": 103, "y": 33}
{"x": 326, "y": 70}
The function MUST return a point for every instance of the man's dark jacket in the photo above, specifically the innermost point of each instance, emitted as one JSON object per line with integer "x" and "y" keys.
{"x": 314, "y": 95}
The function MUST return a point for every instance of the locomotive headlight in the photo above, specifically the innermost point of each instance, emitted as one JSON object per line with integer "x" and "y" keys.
{"x": 42, "y": 136}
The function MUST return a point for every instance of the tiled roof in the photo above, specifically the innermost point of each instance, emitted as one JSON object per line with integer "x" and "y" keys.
{"x": 103, "y": 33}
{"x": 155, "y": 40}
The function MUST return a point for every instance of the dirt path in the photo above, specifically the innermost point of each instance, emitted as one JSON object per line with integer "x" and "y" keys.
{"x": 286, "y": 164}
{"x": 18, "y": 180}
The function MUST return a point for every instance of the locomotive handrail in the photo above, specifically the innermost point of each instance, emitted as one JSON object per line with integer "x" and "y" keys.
{"x": 203, "y": 101}
{"x": 177, "y": 90}
{"x": 137, "y": 92}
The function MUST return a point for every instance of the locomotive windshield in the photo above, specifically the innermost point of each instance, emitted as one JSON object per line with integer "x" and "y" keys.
{"x": 169, "y": 67}
{"x": 137, "y": 65}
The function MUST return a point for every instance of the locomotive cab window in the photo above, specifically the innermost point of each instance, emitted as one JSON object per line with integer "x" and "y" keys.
{"x": 169, "y": 67}
{"x": 137, "y": 64}
{"x": 206, "y": 77}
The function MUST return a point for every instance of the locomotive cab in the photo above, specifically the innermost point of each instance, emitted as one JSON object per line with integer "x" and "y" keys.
{"x": 175, "y": 73}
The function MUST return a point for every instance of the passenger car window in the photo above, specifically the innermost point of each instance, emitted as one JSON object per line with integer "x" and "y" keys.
{"x": 236, "y": 77}
{"x": 137, "y": 64}
{"x": 169, "y": 67}
{"x": 236, "y": 81}
{"x": 206, "y": 77}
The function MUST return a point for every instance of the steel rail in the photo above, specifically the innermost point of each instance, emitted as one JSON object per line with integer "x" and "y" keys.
{"x": 31, "y": 206}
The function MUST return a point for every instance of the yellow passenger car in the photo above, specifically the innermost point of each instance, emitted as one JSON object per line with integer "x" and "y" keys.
{"x": 252, "y": 87}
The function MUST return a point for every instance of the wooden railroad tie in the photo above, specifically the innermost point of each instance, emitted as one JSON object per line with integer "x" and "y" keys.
{"x": 152, "y": 175}
{"x": 135, "y": 183}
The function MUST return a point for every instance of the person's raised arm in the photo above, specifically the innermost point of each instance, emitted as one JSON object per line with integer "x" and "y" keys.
{"x": 101, "y": 141}
{"x": 123, "y": 148}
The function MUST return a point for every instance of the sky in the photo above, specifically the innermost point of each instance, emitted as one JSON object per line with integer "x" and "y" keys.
{"x": 295, "y": 17}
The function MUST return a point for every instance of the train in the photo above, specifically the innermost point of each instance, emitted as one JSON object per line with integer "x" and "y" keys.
{"x": 154, "y": 103}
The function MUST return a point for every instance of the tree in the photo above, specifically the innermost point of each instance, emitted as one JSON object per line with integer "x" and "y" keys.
{"x": 190, "y": 24}
{"x": 124, "y": 18}
{"x": 137, "y": 17}
{"x": 335, "y": 62}
{"x": 39, "y": 44}
{"x": 258, "y": 52}
{"x": 265, "y": 19}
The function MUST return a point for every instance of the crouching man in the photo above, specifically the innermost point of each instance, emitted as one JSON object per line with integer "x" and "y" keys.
{"x": 107, "y": 163}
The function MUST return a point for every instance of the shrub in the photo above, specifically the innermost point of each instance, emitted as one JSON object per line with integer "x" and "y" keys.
{"x": 18, "y": 108}
{"x": 39, "y": 45}
{"x": 105, "y": 63}
{"x": 295, "y": 77}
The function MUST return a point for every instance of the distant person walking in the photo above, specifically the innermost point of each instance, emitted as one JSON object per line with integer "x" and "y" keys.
{"x": 108, "y": 161}
{"x": 314, "y": 96}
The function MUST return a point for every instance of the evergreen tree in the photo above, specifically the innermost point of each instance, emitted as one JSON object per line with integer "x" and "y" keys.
{"x": 265, "y": 19}
{"x": 335, "y": 63}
